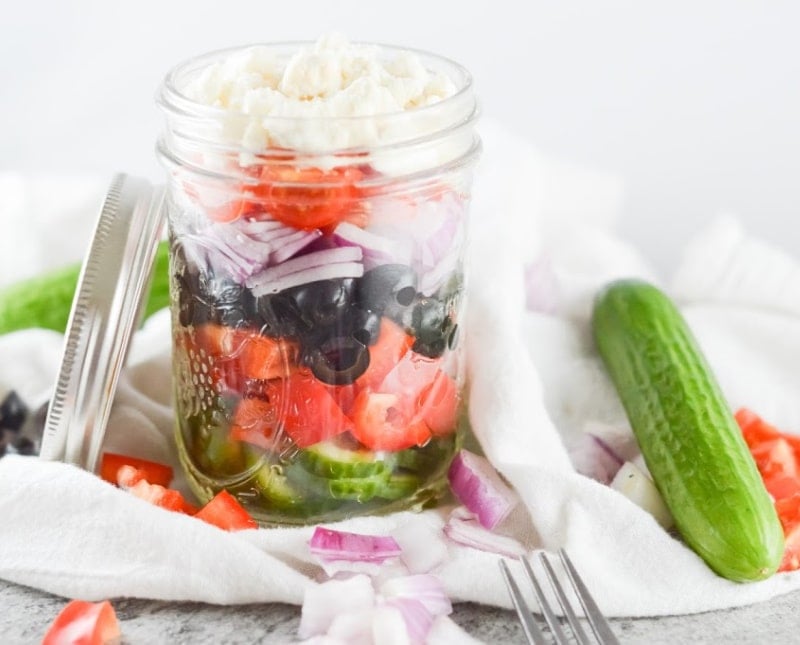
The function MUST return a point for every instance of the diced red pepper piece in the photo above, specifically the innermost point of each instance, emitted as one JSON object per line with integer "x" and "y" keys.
{"x": 225, "y": 512}
{"x": 152, "y": 471}
{"x": 84, "y": 623}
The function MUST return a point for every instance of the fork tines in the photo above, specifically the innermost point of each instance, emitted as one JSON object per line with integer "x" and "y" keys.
{"x": 600, "y": 627}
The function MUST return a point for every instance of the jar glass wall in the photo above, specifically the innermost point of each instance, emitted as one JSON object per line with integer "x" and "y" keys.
{"x": 318, "y": 298}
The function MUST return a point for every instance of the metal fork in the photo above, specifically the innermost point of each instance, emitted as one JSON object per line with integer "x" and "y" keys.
{"x": 534, "y": 634}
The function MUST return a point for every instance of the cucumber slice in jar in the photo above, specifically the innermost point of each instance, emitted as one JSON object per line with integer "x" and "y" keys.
{"x": 330, "y": 460}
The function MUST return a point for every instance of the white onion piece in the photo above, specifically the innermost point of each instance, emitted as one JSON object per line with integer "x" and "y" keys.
{"x": 445, "y": 631}
{"x": 322, "y": 603}
{"x": 377, "y": 249}
{"x": 469, "y": 532}
{"x": 417, "y": 618}
{"x": 425, "y": 587}
{"x": 389, "y": 626}
{"x": 640, "y": 489}
{"x": 476, "y": 484}
{"x": 423, "y": 548}
{"x": 341, "y": 545}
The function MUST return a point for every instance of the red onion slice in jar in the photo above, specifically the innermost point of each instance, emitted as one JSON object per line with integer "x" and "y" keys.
{"x": 377, "y": 249}
{"x": 292, "y": 244}
{"x": 308, "y": 261}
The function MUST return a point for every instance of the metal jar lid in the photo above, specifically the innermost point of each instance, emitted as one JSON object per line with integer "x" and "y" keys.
{"x": 105, "y": 312}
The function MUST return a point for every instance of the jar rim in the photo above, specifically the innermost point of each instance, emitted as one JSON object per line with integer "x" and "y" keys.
{"x": 172, "y": 99}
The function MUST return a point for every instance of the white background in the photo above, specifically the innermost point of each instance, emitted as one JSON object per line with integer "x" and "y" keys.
{"x": 696, "y": 105}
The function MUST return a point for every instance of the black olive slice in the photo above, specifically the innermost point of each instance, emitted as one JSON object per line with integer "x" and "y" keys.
{"x": 338, "y": 361}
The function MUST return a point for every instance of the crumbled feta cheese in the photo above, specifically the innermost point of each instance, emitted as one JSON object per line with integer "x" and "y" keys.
{"x": 331, "y": 78}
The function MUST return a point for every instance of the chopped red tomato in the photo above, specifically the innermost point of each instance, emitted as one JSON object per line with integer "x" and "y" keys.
{"x": 438, "y": 404}
{"x": 225, "y": 512}
{"x": 151, "y": 471}
{"x": 306, "y": 197}
{"x": 309, "y": 411}
{"x": 385, "y": 354}
{"x": 383, "y": 421}
{"x": 776, "y": 455}
{"x": 84, "y": 623}
{"x": 242, "y": 354}
{"x": 254, "y": 421}
{"x": 167, "y": 498}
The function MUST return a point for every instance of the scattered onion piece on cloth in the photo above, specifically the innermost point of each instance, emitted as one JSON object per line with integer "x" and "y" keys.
{"x": 464, "y": 528}
{"x": 476, "y": 484}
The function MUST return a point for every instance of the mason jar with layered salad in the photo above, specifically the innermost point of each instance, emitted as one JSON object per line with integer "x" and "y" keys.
{"x": 317, "y": 211}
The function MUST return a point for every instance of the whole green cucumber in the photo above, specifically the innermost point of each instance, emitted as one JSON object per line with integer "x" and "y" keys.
{"x": 686, "y": 431}
{"x": 46, "y": 300}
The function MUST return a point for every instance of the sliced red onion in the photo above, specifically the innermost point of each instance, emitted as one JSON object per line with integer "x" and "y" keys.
{"x": 315, "y": 260}
{"x": 431, "y": 280}
{"x": 329, "y": 272}
{"x": 477, "y": 485}
{"x": 423, "y": 548}
{"x": 417, "y": 618}
{"x": 469, "y": 532}
{"x": 541, "y": 286}
{"x": 376, "y": 249}
{"x": 425, "y": 587}
{"x": 340, "y": 545}
{"x": 291, "y": 245}
{"x": 323, "y": 602}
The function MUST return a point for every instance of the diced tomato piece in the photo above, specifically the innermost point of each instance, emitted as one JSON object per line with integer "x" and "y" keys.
{"x": 84, "y": 623}
{"x": 309, "y": 411}
{"x": 167, "y": 498}
{"x": 152, "y": 471}
{"x": 789, "y": 514}
{"x": 242, "y": 354}
{"x": 385, "y": 354}
{"x": 782, "y": 486}
{"x": 382, "y": 421}
{"x": 306, "y": 197}
{"x": 225, "y": 512}
{"x": 410, "y": 376}
{"x": 774, "y": 457}
{"x": 254, "y": 421}
{"x": 438, "y": 404}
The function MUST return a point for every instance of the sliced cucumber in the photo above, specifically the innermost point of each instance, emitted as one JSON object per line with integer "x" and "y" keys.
{"x": 327, "y": 459}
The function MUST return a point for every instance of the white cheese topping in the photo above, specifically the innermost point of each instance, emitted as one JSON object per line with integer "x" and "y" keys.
{"x": 329, "y": 79}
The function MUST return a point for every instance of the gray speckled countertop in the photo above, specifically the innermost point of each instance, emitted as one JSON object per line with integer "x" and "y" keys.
{"x": 26, "y": 613}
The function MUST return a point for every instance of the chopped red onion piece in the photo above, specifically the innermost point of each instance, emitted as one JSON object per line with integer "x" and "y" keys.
{"x": 389, "y": 626}
{"x": 425, "y": 587}
{"x": 417, "y": 618}
{"x": 594, "y": 458}
{"x": 340, "y": 545}
{"x": 541, "y": 286}
{"x": 469, "y": 532}
{"x": 352, "y": 627}
{"x": 478, "y": 487}
{"x": 323, "y": 602}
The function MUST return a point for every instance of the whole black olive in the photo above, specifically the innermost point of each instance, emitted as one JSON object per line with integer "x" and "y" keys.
{"x": 431, "y": 349}
{"x": 430, "y": 321}
{"x": 365, "y": 326}
{"x": 13, "y": 412}
{"x": 337, "y": 361}
{"x": 387, "y": 285}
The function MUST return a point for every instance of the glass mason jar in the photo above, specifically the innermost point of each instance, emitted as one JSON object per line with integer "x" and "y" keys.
{"x": 317, "y": 297}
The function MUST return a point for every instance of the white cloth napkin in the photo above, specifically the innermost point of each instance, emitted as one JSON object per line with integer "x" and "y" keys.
{"x": 535, "y": 382}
